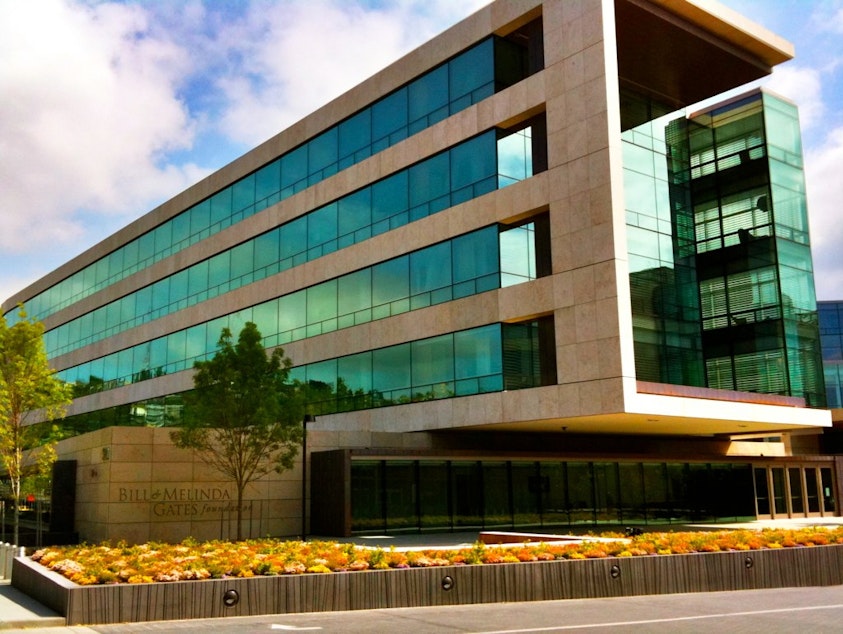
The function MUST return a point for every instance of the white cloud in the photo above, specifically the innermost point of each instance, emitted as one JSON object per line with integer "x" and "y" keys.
{"x": 106, "y": 105}
{"x": 803, "y": 86}
{"x": 89, "y": 107}
{"x": 284, "y": 76}
{"x": 825, "y": 191}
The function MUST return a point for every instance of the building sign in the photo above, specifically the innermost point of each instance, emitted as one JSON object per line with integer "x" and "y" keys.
{"x": 182, "y": 501}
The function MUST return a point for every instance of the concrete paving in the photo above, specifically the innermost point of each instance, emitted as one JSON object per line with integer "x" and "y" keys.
{"x": 18, "y": 611}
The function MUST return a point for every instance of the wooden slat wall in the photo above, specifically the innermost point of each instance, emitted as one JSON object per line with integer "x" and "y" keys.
{"x": 490, "y": 583}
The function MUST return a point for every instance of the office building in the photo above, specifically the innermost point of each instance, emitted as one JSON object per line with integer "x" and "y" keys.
{"x": 550, "y": 268}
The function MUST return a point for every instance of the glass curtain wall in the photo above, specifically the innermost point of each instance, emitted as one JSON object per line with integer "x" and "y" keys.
{"x": 480, "y": 494}
{"x": 756, "y": 284}
{"x": 831, "y": 338}
{"x": 661, "y": 246}
{"x": 455, "y": 364}
{"x": 720, "y": 267}
{"x": 409, "y": 282}
{"x": 461, "y": 173}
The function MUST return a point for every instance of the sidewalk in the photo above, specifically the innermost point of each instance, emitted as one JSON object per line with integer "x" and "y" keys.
{"x": 19, "y": 611}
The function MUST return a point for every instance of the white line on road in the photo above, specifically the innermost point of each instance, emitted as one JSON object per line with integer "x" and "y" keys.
{"x": 558, "y": 628}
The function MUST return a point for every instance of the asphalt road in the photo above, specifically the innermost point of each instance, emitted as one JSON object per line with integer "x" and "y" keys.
{"x": 803, "y": 610}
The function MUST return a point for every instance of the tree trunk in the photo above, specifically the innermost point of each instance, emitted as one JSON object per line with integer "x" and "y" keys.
{"x": 15, "y": 483}
{"x": 16, "y": 520}
{"x": 240, "y": 487}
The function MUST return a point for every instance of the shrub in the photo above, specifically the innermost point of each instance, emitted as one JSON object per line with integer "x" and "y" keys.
{"x": 192, "y": 560}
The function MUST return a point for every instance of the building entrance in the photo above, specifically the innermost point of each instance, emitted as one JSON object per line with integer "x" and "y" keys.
{"x": 794, "y": 490}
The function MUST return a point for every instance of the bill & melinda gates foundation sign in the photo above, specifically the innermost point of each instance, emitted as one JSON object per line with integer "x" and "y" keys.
{"x": 181, "y": 501}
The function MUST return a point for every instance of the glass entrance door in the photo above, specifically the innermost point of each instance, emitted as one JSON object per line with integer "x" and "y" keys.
{"x": 793, "y": 491}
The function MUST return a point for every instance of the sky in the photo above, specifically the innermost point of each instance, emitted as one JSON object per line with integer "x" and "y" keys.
{"x": 108, "y": 108}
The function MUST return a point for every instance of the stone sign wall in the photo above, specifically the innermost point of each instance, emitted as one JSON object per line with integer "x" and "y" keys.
{"x": 133, "y": 484}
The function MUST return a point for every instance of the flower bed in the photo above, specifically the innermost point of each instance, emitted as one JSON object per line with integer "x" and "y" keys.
{"x": 192, "y": 560}
{"x": 111, "y": 584}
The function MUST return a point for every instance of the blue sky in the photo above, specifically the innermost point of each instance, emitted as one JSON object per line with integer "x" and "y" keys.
{"x": 109, "y": 108}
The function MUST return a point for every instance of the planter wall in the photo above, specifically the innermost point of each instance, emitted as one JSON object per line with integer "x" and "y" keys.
{"x": 416, "y": 587}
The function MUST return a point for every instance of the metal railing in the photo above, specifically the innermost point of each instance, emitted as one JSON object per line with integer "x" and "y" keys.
{"x": 8, "y": 552}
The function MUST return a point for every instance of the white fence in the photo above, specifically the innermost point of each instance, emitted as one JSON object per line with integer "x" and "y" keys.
{"x": 8, "y": 552}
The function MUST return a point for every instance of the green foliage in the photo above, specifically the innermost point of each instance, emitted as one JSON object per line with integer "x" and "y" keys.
{"x": 29, "y": 395}
{"x": 243, "y": 418}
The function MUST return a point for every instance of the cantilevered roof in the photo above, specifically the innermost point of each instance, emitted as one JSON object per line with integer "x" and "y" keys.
{"x": 684, "y": 51}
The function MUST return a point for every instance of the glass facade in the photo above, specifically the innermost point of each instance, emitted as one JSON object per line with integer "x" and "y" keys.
{"x": 661, "y": 247}
{"x": 720, "y": 265}
{"x": 475, "y": 361}
{"x": 418, "y": 495}
{"x": 831, "y": 337}
{"x": 461, "y": 173}
{"x": 463, "y": 363}
{"x": 492, "y": 65}
{"x": 409, "y": 282}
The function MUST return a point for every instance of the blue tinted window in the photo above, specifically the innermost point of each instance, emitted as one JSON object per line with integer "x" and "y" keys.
{"x": 266, "y": 249}
{"x": 200, "y": 218}
{"x": 267, "y": 180}
{"x": 294, "y": 167}
{"x": 389, "y": 116}
{"x": 197, "y": 280}
{"x": 391, "y": 369}
{"x": 322, "y": 302}
{"x": 219, "y": 270}
{"x": 221, "y": 207}
{"x": 433, "y": 361}
{"x": 429, "y": 268}
{"x": 355, "y": 372}
{"x": 428, "y": 94}
{"x": 176, "y": 346}
{"x": 195, "y": 344}
{"x": 243, "y": 193}
{"x": 390, "y": 196}
{"x": 292, "y": 311}
{"x": 391, "y": 281}
{"x": 355, "y": 211}
{"x": 293, "y": 237}
{"x": 181, "y": 231}
{"x": 475, "y": 254}
{"x": 242, "y": 259}
{"x": 429, "y": 180}
{"x": 355, "y": 133}
{"x": 178, "y": 286}
{"x": 322, "y": 225}
{"x": 355, "y": 292}
{"x": 471, "y": 70}
{"x": 322, "y": 151}
{"x": 473, "y": 161}
{"x": 162, "y": 238}
{"x": 477, "y": 352}
{"x": 324, "y": 373}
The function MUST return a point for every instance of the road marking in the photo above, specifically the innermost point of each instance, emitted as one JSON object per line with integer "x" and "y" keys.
{"x": 293, "y": 628}
{"x": 559, "y": 628}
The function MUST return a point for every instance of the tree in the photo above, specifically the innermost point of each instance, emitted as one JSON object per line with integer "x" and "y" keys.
{"x": 242, "y": 417}
{"x": 29, "y": 395}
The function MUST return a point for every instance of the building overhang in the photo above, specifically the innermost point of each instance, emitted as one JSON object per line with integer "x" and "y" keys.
{"x": 680, "y": 52}
{"x": 670, "y": 410}
{"x": 659, "y": 424}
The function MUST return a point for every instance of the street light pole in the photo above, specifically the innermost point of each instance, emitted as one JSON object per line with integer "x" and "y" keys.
{"x": 308, "y": 418}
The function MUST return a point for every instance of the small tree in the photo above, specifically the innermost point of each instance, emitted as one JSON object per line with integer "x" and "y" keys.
{"x": 242, "y": 417}
{"x": 28, "y": 388}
